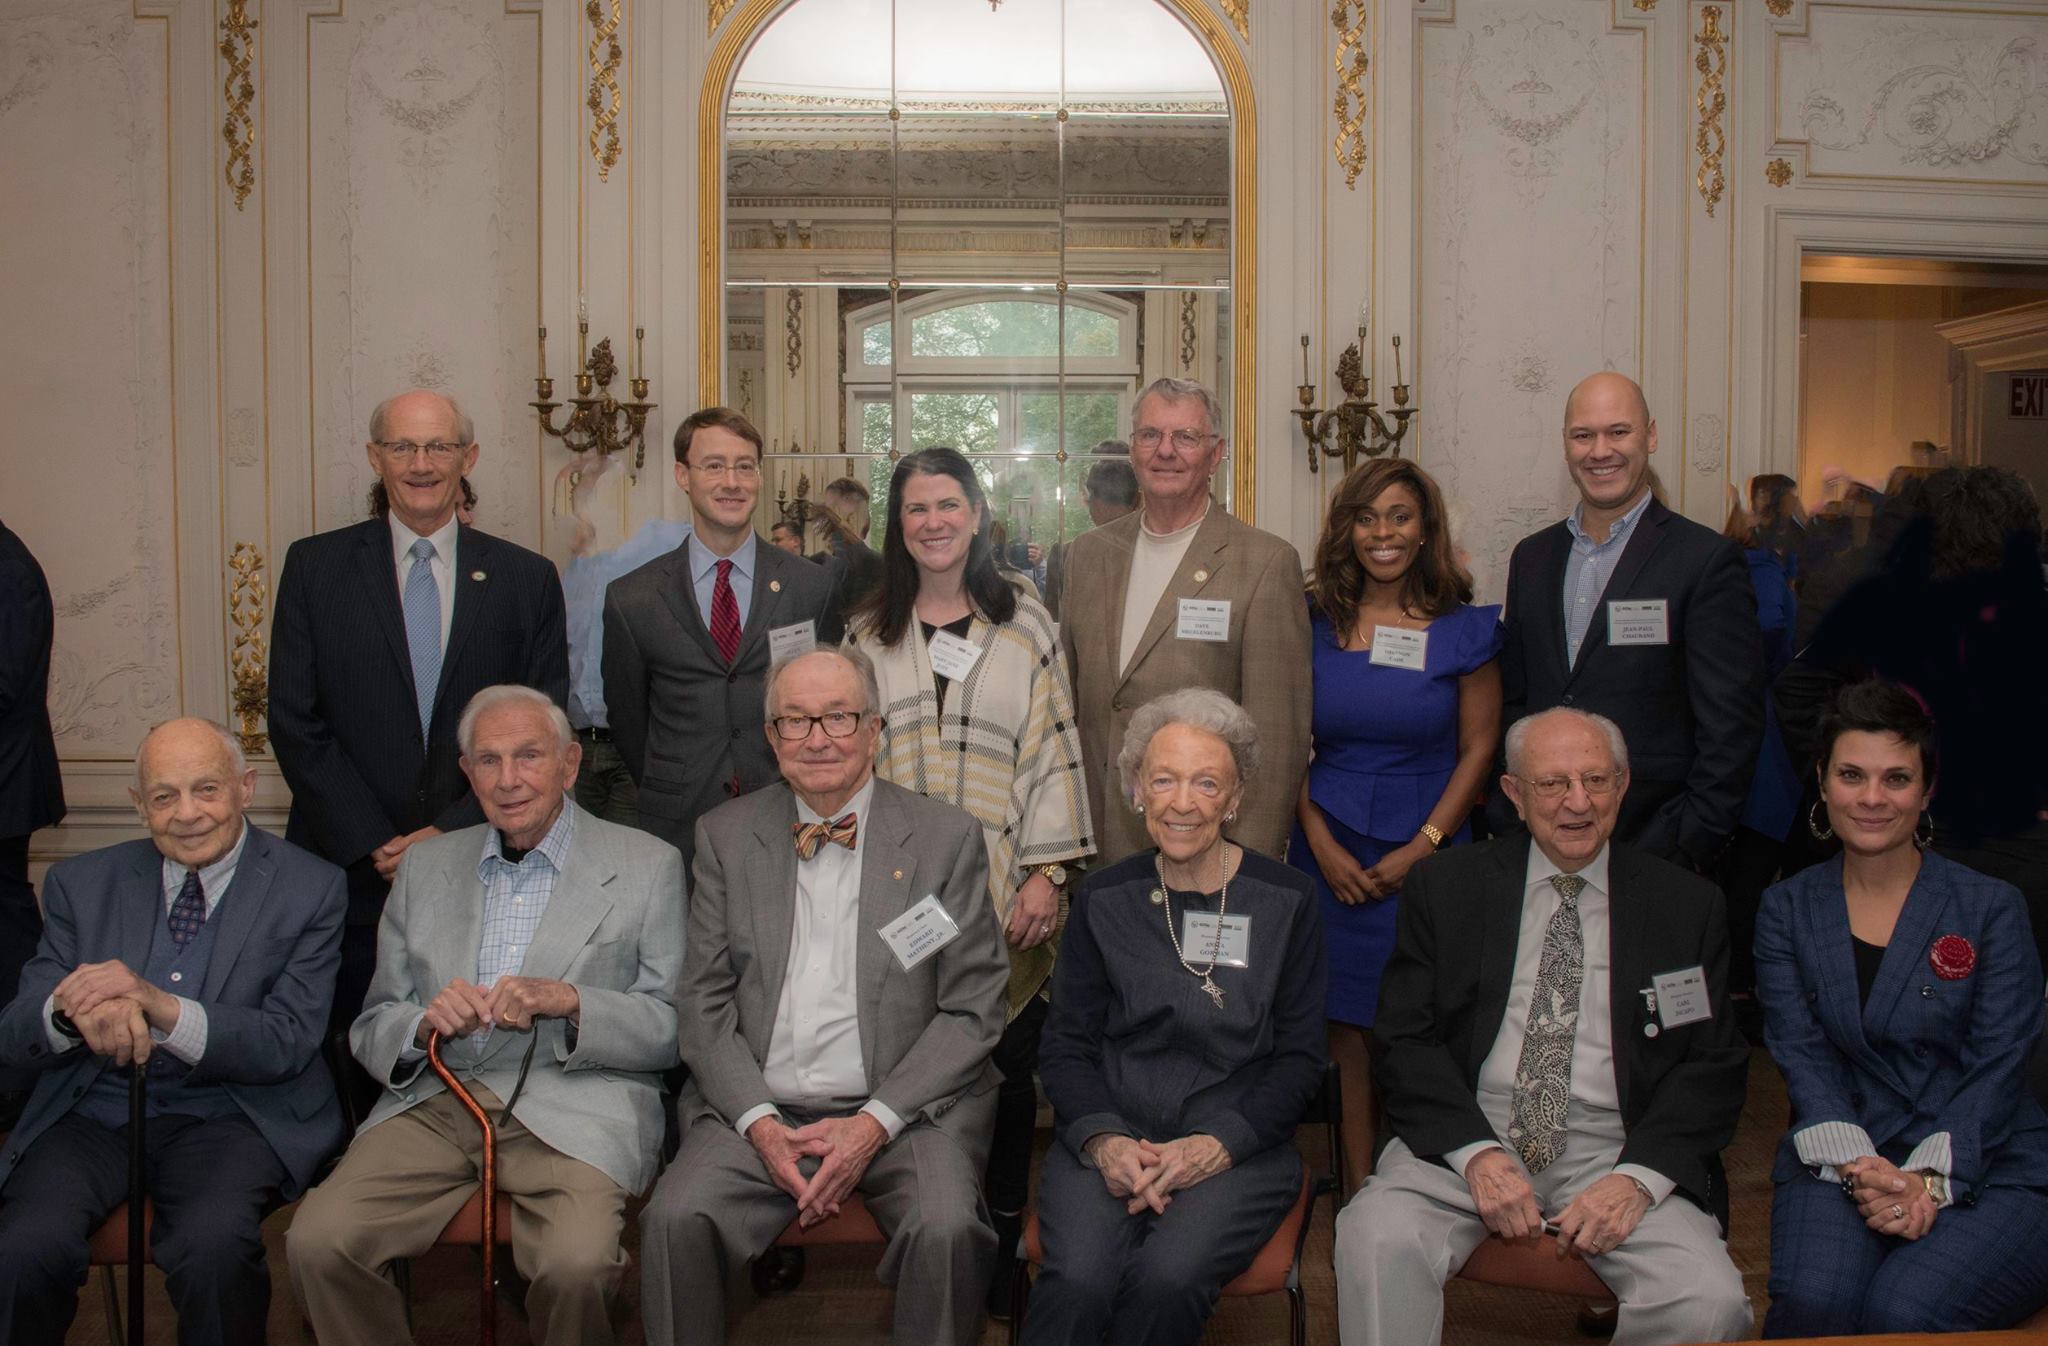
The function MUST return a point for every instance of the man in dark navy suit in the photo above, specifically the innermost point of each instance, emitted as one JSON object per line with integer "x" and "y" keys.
{"x": 384, "y": 630}
{"x": 31, "y": 791}
{"x": 1630, "y": 611}
{"x": 207, "y": 955}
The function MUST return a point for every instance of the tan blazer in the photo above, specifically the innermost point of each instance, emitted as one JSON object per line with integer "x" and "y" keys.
{"x": 1264, "y": 666}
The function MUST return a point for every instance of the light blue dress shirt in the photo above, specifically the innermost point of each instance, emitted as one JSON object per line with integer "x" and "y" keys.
{"x": 584, "y": 581}
{"x": 1588, "y": 567}
{"x": 704, "y": 576}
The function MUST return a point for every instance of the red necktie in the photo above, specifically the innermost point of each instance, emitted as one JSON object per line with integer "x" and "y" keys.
{"x": 725, "y": 614}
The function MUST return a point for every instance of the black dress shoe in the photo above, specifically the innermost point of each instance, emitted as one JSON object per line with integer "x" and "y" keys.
{"x": 778, "y": 1271}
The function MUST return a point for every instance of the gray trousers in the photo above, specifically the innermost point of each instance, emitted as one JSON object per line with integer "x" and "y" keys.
{"x": 1413, "y": 1225}
{"x": 716, "y": 1209}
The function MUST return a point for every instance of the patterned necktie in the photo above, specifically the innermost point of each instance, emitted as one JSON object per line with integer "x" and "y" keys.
{"x": 188, "y": 913}
{"x": 1543, "y": 1075}
{"x": 810, "y": 836}
{"x": 423, "y": 629}
{"x": 725, "y": 614}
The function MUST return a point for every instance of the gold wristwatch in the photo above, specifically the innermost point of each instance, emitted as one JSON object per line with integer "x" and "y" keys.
{"x": 1434, "y": 834}
{"x": 1055, "y": 874}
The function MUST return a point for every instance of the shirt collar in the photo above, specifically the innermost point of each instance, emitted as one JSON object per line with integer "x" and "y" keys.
{"x": 858, "y": 805}
{"x": 1594, "y": 871}
{"x": 402, "y": 539}
{"x": 210, "y": 876}
{"x": 554, "y": 846}
{"x": 702, "y": 558}
{"x": 1622, "y": 527}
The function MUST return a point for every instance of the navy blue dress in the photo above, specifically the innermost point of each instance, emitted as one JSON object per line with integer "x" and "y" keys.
{"x": 1386, "y": 743}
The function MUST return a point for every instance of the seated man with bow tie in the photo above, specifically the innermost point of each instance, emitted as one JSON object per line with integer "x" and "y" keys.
{"x": 844, "y": 988}
{"x": 1557, "y": 1059}
{"x": 543, "y": 947}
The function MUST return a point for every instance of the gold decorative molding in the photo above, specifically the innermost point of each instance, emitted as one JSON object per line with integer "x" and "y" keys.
{"x": 793, "y": 330}
{"x": 1778, "y": 172}
{"x": 1779, "y": 8}
{"x": 1240, "y": 12}
{"x": 604, "y": 101}
{"x": 1645, "y": 6}
{"x": 1711, "y": 60}
{"x": 1189, "y": 308}
{"x": 238, "y": 128}
{"x": 248, "y": 658}
{"x": 715, "y": 12}
{"x": 1349, "y": 18}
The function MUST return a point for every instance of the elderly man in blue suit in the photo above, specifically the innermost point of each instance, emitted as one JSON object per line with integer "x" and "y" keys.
{"x": 206, "y": 954}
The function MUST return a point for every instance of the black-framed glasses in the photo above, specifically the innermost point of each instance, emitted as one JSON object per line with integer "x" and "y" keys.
{"x": 1593, "y": 782}
{"x": 1187, "y": 441}
{"x": 440, "y": 450}
{"x": 835, "y": 723}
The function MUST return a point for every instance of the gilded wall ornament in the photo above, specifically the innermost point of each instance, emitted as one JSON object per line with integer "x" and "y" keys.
{"x": 248, "y": 657}
{"x": 1779, "y": 8}
{"x": 1645, "y": 6}
{"x": 1778, "y": 172}
{"x": 1239, "y": 12}
{"x": 716, "y": 11}
{"x": 1711, "y": 60}
{"x": 793, "y": 329}
{"x": 1188, "y": 329}
{"x": 1349, "y": 17}
{"x": 238, "y": 128}
{"x": 604, "y": 101}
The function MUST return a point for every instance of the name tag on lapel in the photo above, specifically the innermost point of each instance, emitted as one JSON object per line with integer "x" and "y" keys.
{"x": 1204, "y": 619}
{"x": 953, "y": 658}
{"x": 1398, "y": 647}
{"x": 1201, "y": 940}
{"x": 920, "y": 932}
{"x": 787, "y": 642}
{"x": 1682, "y": 996}
{"x": 1647, "y": 622}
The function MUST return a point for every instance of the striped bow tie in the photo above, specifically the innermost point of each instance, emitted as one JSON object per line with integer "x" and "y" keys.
{"x": 810, "y": 836}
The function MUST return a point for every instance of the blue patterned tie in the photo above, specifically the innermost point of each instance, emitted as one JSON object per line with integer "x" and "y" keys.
{"x": 188, "y": 913}
{"x": 423, "y": 629}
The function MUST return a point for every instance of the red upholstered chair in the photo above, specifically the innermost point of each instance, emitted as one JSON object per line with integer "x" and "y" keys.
{"x": 1277, "y": 1268}
{"x": 852, "y": 1225}
{"x": 465, "y": 1229}
{"x": 1533, "y": 1264}
{"x": 107, "y": 1249}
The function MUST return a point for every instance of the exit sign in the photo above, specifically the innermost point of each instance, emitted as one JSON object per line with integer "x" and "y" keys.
{"x": 2029, "y": 401}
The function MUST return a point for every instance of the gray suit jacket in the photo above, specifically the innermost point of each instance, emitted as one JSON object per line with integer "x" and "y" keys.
{"x": 686, "y": 723}
{"x": 925, "y": 1035}
{"x": 1263, "y": 666}
{"x": 266, "y": 993}
{"x": 613, "y": 930}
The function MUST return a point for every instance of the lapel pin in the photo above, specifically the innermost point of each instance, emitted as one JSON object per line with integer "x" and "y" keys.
{"x": 1201, "y": 577}
{"x": 775, "y": 587}
{"x": 477, "y": 575}
{"x": 899, "y": 873}
{"x": 1650, "y": 1030}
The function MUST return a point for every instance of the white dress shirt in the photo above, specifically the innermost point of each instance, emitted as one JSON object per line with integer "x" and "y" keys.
{"x": 443, "y": 563}
{"x": 814, "y": 1057}
{"x": 1595, "y": 1108}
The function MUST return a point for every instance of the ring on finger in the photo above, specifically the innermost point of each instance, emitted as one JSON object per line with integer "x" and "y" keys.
{"x": 1898, "y": 1211}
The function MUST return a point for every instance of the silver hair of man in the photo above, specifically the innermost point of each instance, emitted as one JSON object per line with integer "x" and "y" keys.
{"x": 465, "y": 428}
{"x": 1198, "y": 708}
{"x": 863, "y": 667}
{"x": 506, "y": 694}
{"x": 1518, "y": 735}
{"x": 1180, "y": 390}
{"x": 236, "y": 757}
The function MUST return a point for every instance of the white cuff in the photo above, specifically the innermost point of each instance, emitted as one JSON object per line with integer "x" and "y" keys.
{"x": 412, "y": 1051}
{"x": 1827, "y": 1145}
{"x": 754, "y": 1114}
{"x": 884, "y": 1114}
{"x": 187, "y": 1038}
{"x": 1657, "y": 1184}
{"x": 1933, "y": 1154}
{"x": 58, "y": 1042}
{"x": 1464, "y": 1155}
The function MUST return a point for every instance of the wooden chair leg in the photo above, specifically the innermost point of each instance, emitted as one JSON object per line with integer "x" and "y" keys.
{"x": 112, "y": 1299}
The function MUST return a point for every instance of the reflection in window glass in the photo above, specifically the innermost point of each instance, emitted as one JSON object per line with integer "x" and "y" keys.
{"x": 874, "y": 343}
{"x": 1009, "y": 328}
{"x": 969, "y": 422}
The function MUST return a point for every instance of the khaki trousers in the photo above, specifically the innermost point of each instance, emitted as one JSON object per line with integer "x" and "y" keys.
{"x": 405, "y": 1178}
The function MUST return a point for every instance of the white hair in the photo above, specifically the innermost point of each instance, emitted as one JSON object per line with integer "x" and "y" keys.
{"x": 506, "y": 694}
{"x": 863, "y": 668}
{"x": 465, "y": 428}
{"x": 1198, "y": 708}
{"x": 238, "y": 759}
{"x": 1518, "y": 735}
{"x": 1180, "y": 390}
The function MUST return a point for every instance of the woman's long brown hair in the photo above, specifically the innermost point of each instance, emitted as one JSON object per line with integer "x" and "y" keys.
{"x": 1435, "y": 583}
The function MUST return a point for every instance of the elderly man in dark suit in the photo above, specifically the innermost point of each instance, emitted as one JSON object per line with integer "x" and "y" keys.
{"x": 207, "y": 955}
{"x": 1630, "y": 611}
{"x": 688, "y": 637}
{"x": 843, "y": 989}
{"x": 31, "y": 789}
{"x": 384, "y": 631}
{"x": 1556, "y": 1052}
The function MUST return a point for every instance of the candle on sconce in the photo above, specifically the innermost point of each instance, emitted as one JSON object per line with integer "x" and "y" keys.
{"x": 639, "y": 350}
{"x": 1304, "y": 359}
{"x": 543, "y": 352}
{"x": 582, "y": 331}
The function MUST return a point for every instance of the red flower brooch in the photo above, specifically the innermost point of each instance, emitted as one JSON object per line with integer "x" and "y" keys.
{"x": 1952, "y": 957}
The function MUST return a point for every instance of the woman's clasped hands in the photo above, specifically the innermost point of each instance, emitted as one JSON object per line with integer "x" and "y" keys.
{"x": 1144, "y": 1174}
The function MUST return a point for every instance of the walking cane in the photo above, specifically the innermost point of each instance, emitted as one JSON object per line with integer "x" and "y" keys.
{"x": 488, "y": 1327}
{"x": 137, "y": 1184}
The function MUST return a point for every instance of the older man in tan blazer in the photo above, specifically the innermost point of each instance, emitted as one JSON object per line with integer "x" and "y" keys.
{"x": 1180, "y": 594}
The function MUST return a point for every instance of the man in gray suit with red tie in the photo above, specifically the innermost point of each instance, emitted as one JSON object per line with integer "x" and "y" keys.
{"x": 688, "y": 637}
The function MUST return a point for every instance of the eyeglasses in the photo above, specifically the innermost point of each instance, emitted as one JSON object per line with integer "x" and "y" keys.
{"x": 1187, "y": 441}
{"x": 439, "y": 450}
{"x": 1594, "y": 783}
{"x": 746, "y": 469}
{"x": 835, "y": 723}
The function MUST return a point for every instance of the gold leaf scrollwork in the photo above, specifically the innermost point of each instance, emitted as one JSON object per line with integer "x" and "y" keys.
{"x": 248, "y": 658}
{"x": 1348, "y": 17}
{"x": 716, "y": 11}
{"x": 1187, "y": 330}
{"x": 1645, "y": 6}
{"x": 1778, "y": 172}
{"x": 793, "y": 330}
{"x": 1779, "y": 8}
{"x": 1711, "y": 60}
{"x": 238, "y": 128}
{"x": 604, "y": 101}
{"x": 1240, "y": 14}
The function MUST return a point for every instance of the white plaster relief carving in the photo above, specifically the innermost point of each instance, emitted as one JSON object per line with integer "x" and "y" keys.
{"x": 1961, "y": 97}
{"x": 1709, "y": 442}
{"x": 1518, "y": 304}
{"x": 84, "y": 248}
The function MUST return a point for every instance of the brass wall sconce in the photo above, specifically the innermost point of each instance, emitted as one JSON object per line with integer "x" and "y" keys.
{"x": 598, "y": 422}
{"x": 1355, "y": 425}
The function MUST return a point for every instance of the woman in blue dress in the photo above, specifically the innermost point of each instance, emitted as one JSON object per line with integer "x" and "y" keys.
{"x": 1406, "y": 722}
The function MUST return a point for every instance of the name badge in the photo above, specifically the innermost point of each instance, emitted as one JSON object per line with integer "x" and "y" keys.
{"x": 1644, "y": 623}
{"x": 787, "y": 642}
{"x": 1682, "y": 996}
{"x": 919, "y": 933}
{"x": 1204, "y": 619}
{"x": 952, "y": 657}
{"x": 1200, "y": 939}
{"x": 1397, "y": 647}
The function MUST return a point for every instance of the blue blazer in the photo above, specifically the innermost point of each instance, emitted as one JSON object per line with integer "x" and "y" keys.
{"x": 1926, "y": 1054}
{"x": 266, "y": 992}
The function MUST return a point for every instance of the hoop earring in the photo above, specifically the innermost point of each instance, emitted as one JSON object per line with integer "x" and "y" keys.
{"x": 1821, "y": 831}
{"x": 1923, "y": 835}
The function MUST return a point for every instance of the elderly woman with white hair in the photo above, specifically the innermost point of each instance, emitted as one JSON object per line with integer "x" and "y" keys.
{"x": 1186, "y": 1037}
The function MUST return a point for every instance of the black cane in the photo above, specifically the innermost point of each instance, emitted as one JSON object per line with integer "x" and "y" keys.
{"x": 138, "y": 1088}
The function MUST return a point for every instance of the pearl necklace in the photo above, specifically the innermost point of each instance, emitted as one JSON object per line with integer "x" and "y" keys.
{"x": 1160, "y": 898}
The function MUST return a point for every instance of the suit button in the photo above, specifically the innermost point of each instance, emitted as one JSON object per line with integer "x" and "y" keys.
{"x": 1812, "y": 996}
{"x": 1927, "y": 993}
{"x": 1567, "y": 698}
{"x": 1856, "y": 1100}
{"x": 732, "y": 677}
{"x": 1919, "y": 1050}
{"x": 35, "y": 1049}
{"x": 736, "y": 733}
{"x": 1117, "y": 704}
{"x": 79, "y": 1092}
